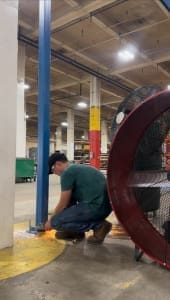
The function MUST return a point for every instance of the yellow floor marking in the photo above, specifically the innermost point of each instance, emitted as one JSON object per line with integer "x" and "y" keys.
{"x": 117, "y": 231}
{"x": 29, "y": 252}
{"x": 127, "y": 284}
{"x": 33, "y": 251}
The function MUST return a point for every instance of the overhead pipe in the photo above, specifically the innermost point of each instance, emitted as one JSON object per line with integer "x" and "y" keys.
{"x": 76, "y": 64}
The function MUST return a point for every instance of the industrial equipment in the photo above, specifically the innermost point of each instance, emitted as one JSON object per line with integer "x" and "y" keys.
{"x": 25, "y": 169}
{"x": 138, "y": 185}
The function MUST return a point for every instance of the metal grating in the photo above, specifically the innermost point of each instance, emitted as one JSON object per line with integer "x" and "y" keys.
{"x": 151, "y": 185}
{"x": 161, "y": 218}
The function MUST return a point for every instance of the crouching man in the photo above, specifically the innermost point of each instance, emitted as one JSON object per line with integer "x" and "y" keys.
{"x": 83, "y": 204}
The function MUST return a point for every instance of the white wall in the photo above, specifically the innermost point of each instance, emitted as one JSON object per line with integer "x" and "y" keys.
{"x": 8, "y": 95}
{"x": 21, "y": 120}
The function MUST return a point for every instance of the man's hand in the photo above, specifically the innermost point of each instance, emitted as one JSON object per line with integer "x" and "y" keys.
{"x": 47, "y": 225}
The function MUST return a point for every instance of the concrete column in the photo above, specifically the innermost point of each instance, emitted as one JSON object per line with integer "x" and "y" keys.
{"x": 8, "y": 96}
{"x": 21, "y": 119}
{"x": 70, "y": 134}
{"x": 58, "y": 138}
{"x": 104, "y": 136}
{"x": 95, "y": 139}
{"x": 86, "y": 134}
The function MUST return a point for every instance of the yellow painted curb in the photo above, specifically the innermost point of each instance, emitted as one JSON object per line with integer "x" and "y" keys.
{"x": 29, "y": 253}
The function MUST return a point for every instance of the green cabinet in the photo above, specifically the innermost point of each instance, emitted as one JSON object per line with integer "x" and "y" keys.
{"x": 24, "y": 168}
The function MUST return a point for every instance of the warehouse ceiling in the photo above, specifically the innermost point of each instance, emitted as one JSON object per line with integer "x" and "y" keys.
{"x": 125, "y": 41}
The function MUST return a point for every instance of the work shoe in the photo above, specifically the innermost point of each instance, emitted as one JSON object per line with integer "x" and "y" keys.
{"x": 69, "y": 235}
{"x": 100, "y": 234}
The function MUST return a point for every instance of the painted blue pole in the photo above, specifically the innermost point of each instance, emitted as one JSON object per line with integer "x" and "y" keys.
{"x": 43, "y": 112}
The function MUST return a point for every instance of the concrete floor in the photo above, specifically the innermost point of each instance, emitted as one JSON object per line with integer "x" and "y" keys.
{"x": 25, "y": 198}
{"x": 83, "y": 271}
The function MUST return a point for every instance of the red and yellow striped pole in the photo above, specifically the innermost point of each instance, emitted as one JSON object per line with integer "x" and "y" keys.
{"x": 95, "y": 133}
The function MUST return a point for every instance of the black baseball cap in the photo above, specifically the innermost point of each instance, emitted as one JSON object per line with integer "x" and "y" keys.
{"x": 56, "y": 156}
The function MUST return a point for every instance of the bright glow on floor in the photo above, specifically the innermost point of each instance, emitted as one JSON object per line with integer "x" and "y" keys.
{"x": 29, "y": 252}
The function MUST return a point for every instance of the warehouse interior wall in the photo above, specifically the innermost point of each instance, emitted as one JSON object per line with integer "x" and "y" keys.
{"x": 8, "y": 96}
{"x": 21, "y": 115}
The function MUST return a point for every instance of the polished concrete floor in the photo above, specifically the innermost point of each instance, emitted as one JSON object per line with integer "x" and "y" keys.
{"x": 25, "y": 198}
{"x": 83, "y": 271}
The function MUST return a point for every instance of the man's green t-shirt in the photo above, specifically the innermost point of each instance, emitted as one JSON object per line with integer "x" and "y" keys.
{"x": 88, "y": 186}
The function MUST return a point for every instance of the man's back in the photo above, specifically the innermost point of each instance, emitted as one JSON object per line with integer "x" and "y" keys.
{"x": 88, "y": 186}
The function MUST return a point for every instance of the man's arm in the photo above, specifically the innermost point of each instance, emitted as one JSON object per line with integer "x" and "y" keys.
{"x": 63, "y": 203}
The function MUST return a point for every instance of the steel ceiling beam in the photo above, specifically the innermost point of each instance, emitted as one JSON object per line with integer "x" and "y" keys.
{"x": 76, "y": 64}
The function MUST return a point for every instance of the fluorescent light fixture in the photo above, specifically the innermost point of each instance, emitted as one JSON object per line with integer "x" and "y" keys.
{"x": 64, "y": 124}
{"x": 82, "y": 104}
{"x": 168, "y": 86}
{"x": 126, "y": 55}
{"x": 24, "y": 85}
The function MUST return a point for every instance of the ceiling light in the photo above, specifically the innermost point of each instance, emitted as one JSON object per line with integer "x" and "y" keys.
{"x": 126, "y": 55}
{"x": 26, "y": 116}
{"x": 24, "y": 85}
{"x": 83, "y": 137}
{"x": 64, "y": 124}
{"x": 168, "y": 87}
{"x": 82, "y": 104}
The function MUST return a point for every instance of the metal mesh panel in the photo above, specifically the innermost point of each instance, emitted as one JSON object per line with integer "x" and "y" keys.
{"x": 160, "y": 218}
{"x": 131, "y": 101}
{"x": 154, "y": 196}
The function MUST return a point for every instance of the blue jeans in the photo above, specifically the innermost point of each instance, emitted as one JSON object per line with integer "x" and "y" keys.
{"x": 77, "y": 218}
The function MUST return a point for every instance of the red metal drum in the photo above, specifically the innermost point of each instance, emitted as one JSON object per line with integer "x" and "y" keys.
{"x": 120, "y": 169}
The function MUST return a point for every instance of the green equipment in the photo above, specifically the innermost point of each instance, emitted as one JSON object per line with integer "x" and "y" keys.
{"x": 25, "y": 169}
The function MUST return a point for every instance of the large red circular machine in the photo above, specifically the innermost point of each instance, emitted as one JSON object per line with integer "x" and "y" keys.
{"x": 150, "y": 237}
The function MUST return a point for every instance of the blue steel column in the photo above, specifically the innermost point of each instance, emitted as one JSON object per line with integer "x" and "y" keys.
{"x": 43, "y": 111}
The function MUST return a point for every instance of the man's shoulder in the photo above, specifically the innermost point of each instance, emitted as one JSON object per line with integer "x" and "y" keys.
{"x": 79, "y": 168}
{"x": 71, "y": 168}
{"x": 72, "y": 172}
{"x": 85, "y": 170}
